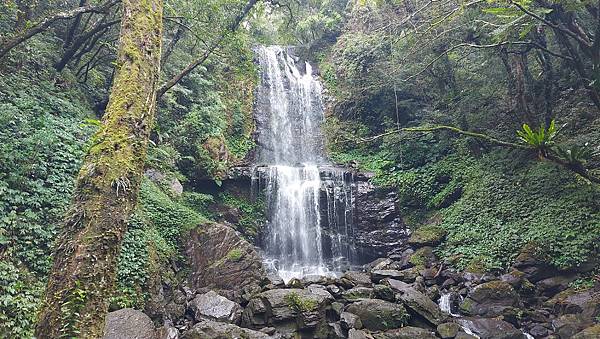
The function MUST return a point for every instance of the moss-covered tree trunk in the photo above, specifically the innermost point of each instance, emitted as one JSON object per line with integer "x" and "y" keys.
{"x": 82, "y": 277}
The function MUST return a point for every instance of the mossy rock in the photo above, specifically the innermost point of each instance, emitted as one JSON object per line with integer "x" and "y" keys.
{"x": 379, "y": 315}
{"x": 423, "y": 257}
{"x": 428, "y": 235}
{"x": 591, "y": 332}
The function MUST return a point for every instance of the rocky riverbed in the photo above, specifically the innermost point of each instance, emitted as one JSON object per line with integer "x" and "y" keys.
{"x": 228, "y": 295}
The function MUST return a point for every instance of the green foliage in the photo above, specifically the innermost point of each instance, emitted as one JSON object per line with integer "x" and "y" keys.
{"x": 252, "y": 213}
{"x": 542, "y": 139}
{"x": 575, "y": 155}
{"x": 156, "y": 227}
{"x": 41, "y": 146}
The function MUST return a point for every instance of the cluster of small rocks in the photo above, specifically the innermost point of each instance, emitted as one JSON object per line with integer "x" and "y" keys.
{"x": 392, "y": 297}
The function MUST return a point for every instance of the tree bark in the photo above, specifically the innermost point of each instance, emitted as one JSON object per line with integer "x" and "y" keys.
{"x": 82, "y": 277}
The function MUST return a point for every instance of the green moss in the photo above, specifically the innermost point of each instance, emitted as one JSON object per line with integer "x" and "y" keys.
{"x": 418, "y": 258}
{"x": 235, "y": 254}
{"x": 299, "y": 303}
{"x": 427, "y": 235}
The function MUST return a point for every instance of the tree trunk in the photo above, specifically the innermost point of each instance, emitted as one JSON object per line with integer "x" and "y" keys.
{"x": 83, "y": 274}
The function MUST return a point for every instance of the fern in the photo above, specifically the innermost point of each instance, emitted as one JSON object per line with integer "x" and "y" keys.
{"x": 541, "y": 139}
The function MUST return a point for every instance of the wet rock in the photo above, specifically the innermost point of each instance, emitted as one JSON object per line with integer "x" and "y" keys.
{"x": 408, "y": 275}
{"x": 167, "y": 332}
{"x": 586, "y": 302}
{"x": 568, "y": 325}
{"x": 217, "y": 330}
{"x": 221, "y": 259}
{"x": 334, "y": 290}
{"x": 592, "y": 332}
{"x": 211, "y": 306}
{"x": 358, "y": 334}
{"x": 354, "y": 278}
{"x": 463, "y": 335}
{"x": 538, "y": 331}
{"x": 492, "y": 328}
{"x": 128, "y": 323}
{"x": 448, "y": 330}
{"x": 490, "y": 299}
{"x": 379, "y": 227}
{"x": 294, "y": 283}
{"x": 335, "y": 331}
{"x": 378, "y": 314}
{"x": 428, "y": 235}
{"x": 551, "y": 286}
{"x": 384, "y": 292}
{"x": 407, "y": 332}
{"x": 416, "y": 301}
{"x": 288, "y": 310}
{"x": 378, "y": 264}
{"x": 358, "y": 293}
{"x": 349, "y": 320}
{"x": 514, "y": 278}
{"x": 534, "y": 266}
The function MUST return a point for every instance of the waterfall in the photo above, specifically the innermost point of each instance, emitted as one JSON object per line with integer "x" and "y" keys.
{"x": 308, "y": 201}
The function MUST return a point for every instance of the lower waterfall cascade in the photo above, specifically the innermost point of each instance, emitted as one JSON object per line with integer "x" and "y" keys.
{"x": 309, "y": 202}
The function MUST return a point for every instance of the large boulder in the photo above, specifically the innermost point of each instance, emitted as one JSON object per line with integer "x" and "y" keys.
{"x": 417, "y": 302}
{"x": 448, "y": 330}
{"x": 592, "y": 332}
{"x": 217, "y": 330}
{"x": 289, "y": 310}
{"x": 407, "y": 332}
{"x": 221, "y": 259}
{"x": 408, "y": 275}
{"x": 211, "y": 306}
{"x": 492, "y": 328}
{"x": 566, "y": 326}
{"x": 534, "y": 264}
{"x": 128, "y": 323}
{"x": 490, "y": 299}
{"x": 377, "y": 315}
{"x": 571, "y": 301}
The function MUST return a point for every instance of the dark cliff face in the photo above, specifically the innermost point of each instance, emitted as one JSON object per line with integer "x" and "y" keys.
{"x": 379, "y": 228}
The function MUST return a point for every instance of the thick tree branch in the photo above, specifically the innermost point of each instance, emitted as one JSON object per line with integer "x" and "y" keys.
{"x": 576, "y": 168}
{"x": 189, "y": 68}
{"x": 500, "y": 44}
{"x": 41, "y": 26}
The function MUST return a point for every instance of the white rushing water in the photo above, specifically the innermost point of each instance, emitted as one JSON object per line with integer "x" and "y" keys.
{"x": 289, "y": 168}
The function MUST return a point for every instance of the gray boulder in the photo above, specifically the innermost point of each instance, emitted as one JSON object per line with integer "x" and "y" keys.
{"x": 448, "y": 330}
{"x": 378, "y": 315}
{"x": 217, "y": 330}
{"x": 407, "y": 332}
{"x": 128, "y": 323}
{"x": 490, "y": 299}
{"x": 408, "y": 275}
{"x": 211, "y": 306}
{"x": 492, "y": 328}
{"x": 349, "y": 320}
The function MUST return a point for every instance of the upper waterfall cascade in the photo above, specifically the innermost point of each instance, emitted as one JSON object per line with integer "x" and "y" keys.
{"x": 309, "y": 202}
